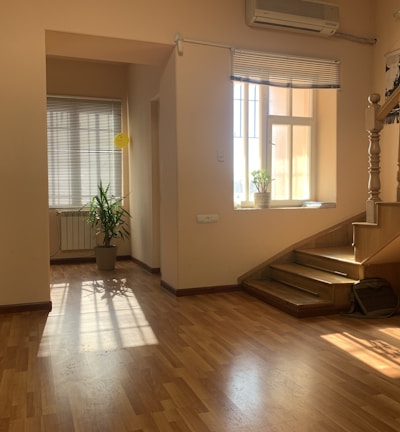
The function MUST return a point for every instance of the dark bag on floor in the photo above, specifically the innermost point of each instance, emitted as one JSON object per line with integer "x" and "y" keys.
{"x": 373, "y": 298}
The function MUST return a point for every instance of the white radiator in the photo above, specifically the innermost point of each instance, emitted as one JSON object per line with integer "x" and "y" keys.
{"x": 75, "y": 232}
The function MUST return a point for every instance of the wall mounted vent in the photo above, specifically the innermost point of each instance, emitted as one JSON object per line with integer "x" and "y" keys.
{"x": 305, "y": 16}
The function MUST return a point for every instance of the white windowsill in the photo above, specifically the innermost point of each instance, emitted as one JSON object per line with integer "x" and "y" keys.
{"x": 307, "y": 206}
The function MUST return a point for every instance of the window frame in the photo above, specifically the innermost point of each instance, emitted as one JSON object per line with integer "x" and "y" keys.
{"x": 266, "y": 121}
{"x": 292, "y": 121}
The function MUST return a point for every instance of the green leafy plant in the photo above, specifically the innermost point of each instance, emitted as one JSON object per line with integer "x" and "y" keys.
{"x": 261, "y": 179}
{"x": 106, "y": 214}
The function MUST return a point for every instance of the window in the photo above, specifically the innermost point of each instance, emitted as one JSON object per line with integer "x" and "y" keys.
{"x": 81, "y": 150}
{"x": 290, "y": 143}
{"x": 276, "y": 115}
{"x": 274, "y": 128}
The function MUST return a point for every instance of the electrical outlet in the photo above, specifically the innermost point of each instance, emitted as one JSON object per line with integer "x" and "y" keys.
{"x": 207, "y": 218}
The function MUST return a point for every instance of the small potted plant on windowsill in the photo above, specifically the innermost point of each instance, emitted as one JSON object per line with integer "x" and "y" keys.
{"x": 262, "y": 181}
{"x": 108, "y": 217}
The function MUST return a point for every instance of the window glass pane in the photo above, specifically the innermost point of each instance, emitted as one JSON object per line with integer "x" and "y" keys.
{"x": 247, "y": 149}
{"x": 239, "y": 150}
{"x": 301, "y": 162}
{"x": 239, "y": 190}
{"x": 238, "y": 110}
{"x": 279, "y": 101}
{"x": 254, "y": 162}
{"x": 254, "y": 110}
{"x": 280, "y": 162}
{"x": 302, "y": 103}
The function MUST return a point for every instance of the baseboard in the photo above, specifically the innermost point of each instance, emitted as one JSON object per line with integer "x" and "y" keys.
{"x": 92, "y": 259}
{"x": 82, "y": 260}
{"x": 199, "y": 290}
{"x": 153, "y": 270}
{"x": 72, "y": 260}
{"x": 26, "y": 307}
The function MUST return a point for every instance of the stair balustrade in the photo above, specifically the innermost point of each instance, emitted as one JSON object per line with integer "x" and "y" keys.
{"x": 374, "y": 119}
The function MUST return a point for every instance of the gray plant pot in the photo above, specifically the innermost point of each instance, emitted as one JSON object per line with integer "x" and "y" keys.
{"x": 106, "y": 257}
{"x": 262, "y": 199}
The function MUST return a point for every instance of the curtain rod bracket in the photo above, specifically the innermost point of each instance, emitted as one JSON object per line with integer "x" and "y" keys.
{"x": 179, "y": 43}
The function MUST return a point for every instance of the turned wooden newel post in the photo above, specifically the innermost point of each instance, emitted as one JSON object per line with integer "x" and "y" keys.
{"x": 373, "y": 126}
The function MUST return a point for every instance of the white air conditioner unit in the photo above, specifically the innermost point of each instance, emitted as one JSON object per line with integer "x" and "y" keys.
{"x": 305, "y": 16}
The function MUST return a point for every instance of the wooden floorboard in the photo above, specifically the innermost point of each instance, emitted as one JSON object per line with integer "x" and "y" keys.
{"x": 119, "y": 353}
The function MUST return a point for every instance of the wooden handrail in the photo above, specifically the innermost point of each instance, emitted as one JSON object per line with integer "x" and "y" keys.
{"x": 389, "y": 104}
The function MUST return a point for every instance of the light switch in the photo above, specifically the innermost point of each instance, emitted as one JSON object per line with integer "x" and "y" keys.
{"x": 220, "y": 156}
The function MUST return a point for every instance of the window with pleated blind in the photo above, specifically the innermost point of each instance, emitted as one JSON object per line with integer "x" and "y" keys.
{"x": 279, "y": 105}
{"x": 81, "y": 150}
{"x": 284, "y": 70}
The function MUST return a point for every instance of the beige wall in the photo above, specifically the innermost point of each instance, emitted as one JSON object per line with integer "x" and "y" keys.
{"x": 70, "y": 77}
{"x": 195, "y": 123}
{"x": 144, "y": 194}
{"x": 216, "y": 254}
{"x": 169, "y": 222}
{"x": 24, "y": 256}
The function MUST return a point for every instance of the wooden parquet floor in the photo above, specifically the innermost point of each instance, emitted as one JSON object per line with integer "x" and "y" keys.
{"x": 118, "y": 353}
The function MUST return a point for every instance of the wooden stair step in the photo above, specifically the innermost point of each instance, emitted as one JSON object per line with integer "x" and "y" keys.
{"x": 308, "y": 278}
{"x": 330, "y": 286}
{"x": 290, "y": 300}
{"x": 312, "y": 273}
{"x": 339, "y": 260}
{"x": 340, "y": 253}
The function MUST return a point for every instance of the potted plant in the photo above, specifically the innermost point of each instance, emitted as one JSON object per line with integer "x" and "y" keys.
{"x": 108, "y": 217}
{"x": 262, "y": 180}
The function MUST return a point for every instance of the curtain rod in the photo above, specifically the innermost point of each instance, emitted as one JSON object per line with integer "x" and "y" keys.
{"x": 353, "y": 38}
{"x": 179, "y": 41}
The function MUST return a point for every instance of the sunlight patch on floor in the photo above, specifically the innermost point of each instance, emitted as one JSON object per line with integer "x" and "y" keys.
{"x": 59, "y": 297}
{"x": 100, "y": 315}
{"x": 392, "y": 331}
{"x": 378, "y": 354}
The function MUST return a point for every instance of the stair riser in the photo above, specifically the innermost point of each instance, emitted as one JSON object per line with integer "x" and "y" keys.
{"x": 293, "y": 309}
{"x": 337, "y": 293}
{"x": 350, "y": 270}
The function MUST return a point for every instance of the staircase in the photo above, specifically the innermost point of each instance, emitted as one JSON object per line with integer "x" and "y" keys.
{"x": 316, "y": 276}
{"x": 317, "y": 282}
